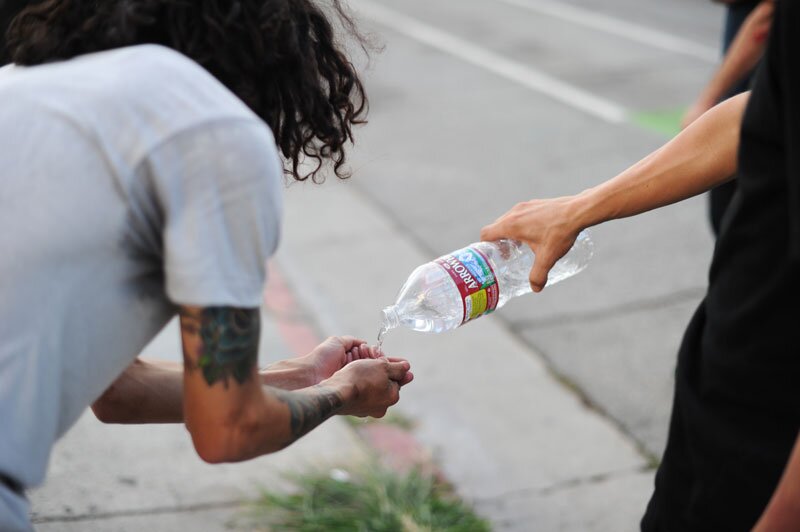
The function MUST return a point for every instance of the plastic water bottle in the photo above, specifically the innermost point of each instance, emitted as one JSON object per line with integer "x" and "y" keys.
{"x": 463, "y": 285}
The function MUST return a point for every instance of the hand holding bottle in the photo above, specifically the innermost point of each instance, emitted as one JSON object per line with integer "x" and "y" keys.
{"x": 473, "y": 281}
{"x": 550, "y": 227}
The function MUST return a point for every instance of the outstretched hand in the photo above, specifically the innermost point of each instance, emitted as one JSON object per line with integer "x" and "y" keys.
{"x": 547, "y": 226}
{"x": 335, "y": 353}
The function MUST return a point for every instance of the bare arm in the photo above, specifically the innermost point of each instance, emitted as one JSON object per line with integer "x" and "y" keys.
{"x": 783, "y": 511}
{"x": 742, "y": 57}
{"x": 148, "y": 391}
{"x": 151, "y": 391}
{"x": 699, "y": 158}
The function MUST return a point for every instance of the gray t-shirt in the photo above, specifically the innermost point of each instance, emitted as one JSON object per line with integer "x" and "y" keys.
{"x": 131, "y": 181}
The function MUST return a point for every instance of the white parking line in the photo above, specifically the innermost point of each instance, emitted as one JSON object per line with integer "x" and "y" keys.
{"x": 493, "y": 62}
{"x": 620, "y": 28}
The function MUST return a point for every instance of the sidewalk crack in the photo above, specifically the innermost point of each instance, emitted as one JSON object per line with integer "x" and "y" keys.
{"x": 623, "y": 309}
{"x": 598, "y": 478}
{"x": 158, "y": 510}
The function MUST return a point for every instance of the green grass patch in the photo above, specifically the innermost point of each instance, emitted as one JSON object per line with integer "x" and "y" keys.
{"x": 653, "y": 462}
{"x": 667, "y": 123}
{"x": 373, "y": 499}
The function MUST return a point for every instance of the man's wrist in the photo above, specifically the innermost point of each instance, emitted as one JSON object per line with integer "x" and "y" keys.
{"x": 583, "y": 209}
{"x": 289, "y": 375}
{"x": 346, "y": 390}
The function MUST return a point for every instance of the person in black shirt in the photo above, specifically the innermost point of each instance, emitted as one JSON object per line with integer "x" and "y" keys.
{"x": 729, "y": 463}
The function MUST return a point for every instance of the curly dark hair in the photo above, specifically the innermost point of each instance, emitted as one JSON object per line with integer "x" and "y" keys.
{"x": 281, "y": 57}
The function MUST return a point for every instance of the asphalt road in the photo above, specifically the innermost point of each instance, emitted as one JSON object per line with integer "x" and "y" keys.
{"x": 479, "y": 104}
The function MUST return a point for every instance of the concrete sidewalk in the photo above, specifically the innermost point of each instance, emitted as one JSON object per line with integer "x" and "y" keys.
{"x": 105, "y": 478}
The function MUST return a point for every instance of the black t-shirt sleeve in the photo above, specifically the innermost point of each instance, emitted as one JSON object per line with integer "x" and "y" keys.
{"x": 786, "y": 30}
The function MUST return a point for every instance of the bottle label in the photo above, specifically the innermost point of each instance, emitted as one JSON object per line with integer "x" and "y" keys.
{"x": 475, "y": 279}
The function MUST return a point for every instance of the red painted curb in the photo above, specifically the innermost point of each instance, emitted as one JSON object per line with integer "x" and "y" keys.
{"x": 398, "y": 450}
{"x": 295, "y": 332}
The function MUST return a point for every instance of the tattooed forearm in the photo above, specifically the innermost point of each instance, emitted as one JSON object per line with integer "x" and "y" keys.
{"x": 220, "y": 341}
{"x": 307, "y": 410}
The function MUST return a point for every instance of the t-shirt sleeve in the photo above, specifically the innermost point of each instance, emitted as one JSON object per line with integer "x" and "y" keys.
{"x": 219, "y": 190}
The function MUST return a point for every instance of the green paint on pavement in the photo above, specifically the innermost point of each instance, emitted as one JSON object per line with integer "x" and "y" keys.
{"x": 667, "y": 123}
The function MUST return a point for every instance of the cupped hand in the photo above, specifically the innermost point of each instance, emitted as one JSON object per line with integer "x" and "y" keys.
{"x": 375, "y": 385}
{"x": 335, "y": 353}
{"x": 548, "y": 226}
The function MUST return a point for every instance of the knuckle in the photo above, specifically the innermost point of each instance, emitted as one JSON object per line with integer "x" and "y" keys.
{"x": 516, "y": 223}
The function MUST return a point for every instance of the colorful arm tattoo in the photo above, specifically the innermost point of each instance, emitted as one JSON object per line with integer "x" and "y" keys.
{"x": 221, "y": 341}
